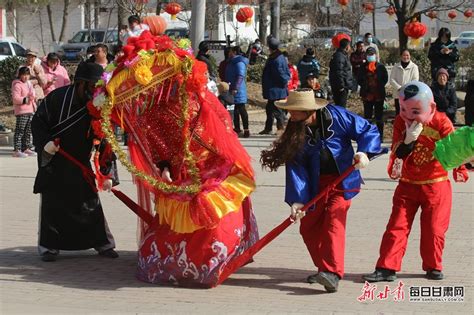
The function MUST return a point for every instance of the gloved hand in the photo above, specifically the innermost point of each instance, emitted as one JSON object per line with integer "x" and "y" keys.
{"x": 460, "y": 174}
{"x": 107, "y": 185}
{"x": 413, "y": 132}
{"x": 361, "y": 160}
{"x": 166, "y": 175}
{"x": 296, "y": 213}
{"x": 51, "y": 148}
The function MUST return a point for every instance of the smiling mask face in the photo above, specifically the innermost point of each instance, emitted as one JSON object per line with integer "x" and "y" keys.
{"x": 416, "y": 103}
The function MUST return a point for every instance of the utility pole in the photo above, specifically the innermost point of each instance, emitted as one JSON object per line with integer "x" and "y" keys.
{"x": 198, "y": 20}
{"x": 373, "y": 22}
{"x": 327, "y": 4}
{"x": 275, "y": 23}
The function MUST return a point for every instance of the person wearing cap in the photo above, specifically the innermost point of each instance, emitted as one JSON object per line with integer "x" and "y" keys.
{"x": 313, "y": 83}
{"x": 369, "y": 43}
{"x": 340, "y": 73}
{"x": 56, "y": 74}
{"x": 316, "y": 148}
{"x": 37, "y": 76}
{"x": 204, "y": 56}
{"x": 71, "y": 216}
{"x": 444, "y": 95}
{"x": 372, "y": 79}
{"x": 308, "y": 64}
{"x": 275, "y": 77}
{"x": 423, "y": 183}
{"x": 236, "y": 76}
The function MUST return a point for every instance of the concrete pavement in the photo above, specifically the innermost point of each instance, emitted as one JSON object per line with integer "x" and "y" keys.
{"x": 83, "y": 282}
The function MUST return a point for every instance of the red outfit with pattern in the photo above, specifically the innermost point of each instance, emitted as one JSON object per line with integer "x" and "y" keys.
{"x": 324, "y": 229}
{"x": 423, "y": 183}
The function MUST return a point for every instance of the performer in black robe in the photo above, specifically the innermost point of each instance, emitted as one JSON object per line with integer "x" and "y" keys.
{"x": 71, "y": 216}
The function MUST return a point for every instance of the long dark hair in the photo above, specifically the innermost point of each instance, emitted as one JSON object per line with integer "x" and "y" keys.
{"x": 444, "y": 31}
{"x": 284, "y": 149}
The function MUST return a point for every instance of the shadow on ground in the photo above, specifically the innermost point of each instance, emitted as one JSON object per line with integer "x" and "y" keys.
{"x": 89, "y": 271}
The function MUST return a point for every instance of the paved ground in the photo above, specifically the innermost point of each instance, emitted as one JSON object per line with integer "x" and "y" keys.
{"x": 82, "y": 282}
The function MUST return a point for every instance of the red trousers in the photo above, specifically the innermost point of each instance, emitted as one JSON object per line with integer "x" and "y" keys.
{"x": 435, "y": 202}
{"x": 324, "y": 230}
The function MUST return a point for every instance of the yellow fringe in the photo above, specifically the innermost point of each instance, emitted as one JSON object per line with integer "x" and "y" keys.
{"x": 225, "y": 199}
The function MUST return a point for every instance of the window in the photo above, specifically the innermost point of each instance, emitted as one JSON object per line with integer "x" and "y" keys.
{"x": 19, "y": 51}
{"x": 112, "y": 37}
{"x": 83, "y": 37}
{"x": 5, "y": 49}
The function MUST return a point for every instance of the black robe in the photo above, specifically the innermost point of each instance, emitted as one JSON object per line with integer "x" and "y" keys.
{"x": 71, "y": 216}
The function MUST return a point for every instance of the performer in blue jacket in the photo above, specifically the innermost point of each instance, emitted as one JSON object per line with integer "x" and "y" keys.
{"x": 316, "y": 148}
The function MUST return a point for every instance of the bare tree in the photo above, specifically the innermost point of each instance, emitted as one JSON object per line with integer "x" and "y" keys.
{"x": 406, "y": 10}
{"x": 65, "y": 19}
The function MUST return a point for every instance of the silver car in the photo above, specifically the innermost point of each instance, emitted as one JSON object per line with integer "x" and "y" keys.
{"x": 465, "y": 39}
{"x": 76, "y": 48}
{"x": 322, "y": 37}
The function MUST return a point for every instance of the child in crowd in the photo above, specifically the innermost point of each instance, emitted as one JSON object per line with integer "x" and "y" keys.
{"x": 23, "y": 94}
{"x": 225, "y": 97}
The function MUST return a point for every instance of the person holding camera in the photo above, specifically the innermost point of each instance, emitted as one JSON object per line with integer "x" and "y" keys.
{"x": 443, "y": 54}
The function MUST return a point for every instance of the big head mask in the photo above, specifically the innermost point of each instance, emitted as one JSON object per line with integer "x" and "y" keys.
{"x": 416, "y": 103}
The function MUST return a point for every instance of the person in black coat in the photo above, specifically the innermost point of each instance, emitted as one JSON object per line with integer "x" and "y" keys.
{"x": 71, "y": 215}
{"x": 444, "y": 95}
{"x": 469, "y": 103}
{"x": 443, "y": 54}
{"x": 340, "y": 73}
{"x": 372, "y": 78}
{"x": 203, "y": 55}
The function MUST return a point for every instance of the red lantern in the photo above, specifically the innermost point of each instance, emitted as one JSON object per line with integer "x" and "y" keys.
{"x": 232, "y": 2}
{"x": 468, "y": 13}
{"x": 390, "y": 11}
{"x": 343, "y": 3}
{"x": 452, "y": 14}
{"x": 337, "y": 39}
{"x": 244, "y": 15}
{"x": 156, "y": 23}
{"x": 432, "y": 14}
{"x": 415, "y": 30}
{"x": 368, "y": 7}
{"x": 173, "y": 9}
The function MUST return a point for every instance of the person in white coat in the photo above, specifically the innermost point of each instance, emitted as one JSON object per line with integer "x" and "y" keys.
{"x": 402, "y": 73}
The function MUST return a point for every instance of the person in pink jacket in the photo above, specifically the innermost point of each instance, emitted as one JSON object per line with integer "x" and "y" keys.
{"x": 56, "y": 75}
{"x": 24, "y": 104}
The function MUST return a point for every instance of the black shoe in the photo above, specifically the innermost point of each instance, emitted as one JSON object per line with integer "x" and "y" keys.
{"x": 237, "y": 131}
{"x": 246, "y": 133}
{"x": 109, "y": 253}
{"x": 265, "y": 132}
{"x": 434, "y": 275}
{"x": 312, "y": 278}
{"x": 329, "y": 280}
{"x": 381, "y": 274}
{"x": 48, "y": 257}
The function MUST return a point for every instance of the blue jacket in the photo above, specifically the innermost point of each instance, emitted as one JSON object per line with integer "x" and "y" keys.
{"x": 236, "y": 76}
{"x": 275, "y": 77}
{"x": 339, "y": 127}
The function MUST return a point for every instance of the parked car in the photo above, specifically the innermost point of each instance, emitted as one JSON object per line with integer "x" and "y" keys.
{"x": 76, "y": 48}
{"x": 360, "y": 38}
{"x": 177, "y": 32}
{"x": 322, "y": 37}
{"x": 465, "y": 39}
{"x": 9, "y": 48}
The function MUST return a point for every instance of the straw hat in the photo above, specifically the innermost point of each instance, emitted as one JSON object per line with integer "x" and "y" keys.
{"x": 303, "y": 100}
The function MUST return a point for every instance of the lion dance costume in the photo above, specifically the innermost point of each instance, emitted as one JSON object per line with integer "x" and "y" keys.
{"x": 203, "y": 218}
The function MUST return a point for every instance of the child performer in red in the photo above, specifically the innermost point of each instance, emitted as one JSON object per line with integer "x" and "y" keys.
{"x": 422, "y": 183}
